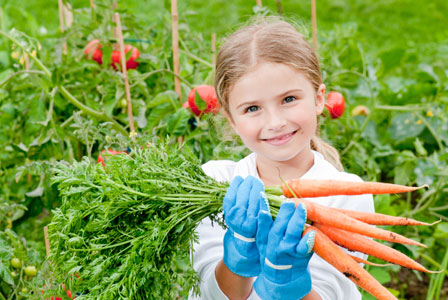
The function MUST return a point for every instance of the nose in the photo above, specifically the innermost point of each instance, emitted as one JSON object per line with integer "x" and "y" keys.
{"x": 274, "y": 120}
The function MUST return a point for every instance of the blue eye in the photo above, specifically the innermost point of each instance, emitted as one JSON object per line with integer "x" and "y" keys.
{"x": 289, "y": 99}
{"x": 252, "y": 108}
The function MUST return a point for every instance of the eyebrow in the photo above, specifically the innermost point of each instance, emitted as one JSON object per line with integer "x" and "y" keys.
{"x": 278, "y": 96}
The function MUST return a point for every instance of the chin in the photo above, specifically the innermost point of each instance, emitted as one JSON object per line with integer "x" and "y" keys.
{"x": 280, "y": 156}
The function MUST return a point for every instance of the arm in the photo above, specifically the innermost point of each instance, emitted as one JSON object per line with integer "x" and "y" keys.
{"x": 313, "y": 295}
{"x": 235, "y": 287}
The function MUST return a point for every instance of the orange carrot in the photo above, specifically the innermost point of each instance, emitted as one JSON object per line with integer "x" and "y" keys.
{"x": 366, "y": 262}
{"x": 381, "y": 219}
{"x": 329, "y": 216}
{"x": 357, "y": 242}
{"x": 335, "y": 256}
{"x": 306, "y": 188}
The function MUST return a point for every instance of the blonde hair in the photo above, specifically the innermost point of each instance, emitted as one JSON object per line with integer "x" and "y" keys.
{"x": 275, "y": 41}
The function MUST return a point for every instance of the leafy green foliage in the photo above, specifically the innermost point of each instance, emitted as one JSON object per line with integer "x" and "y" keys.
{"x": 139, "y": 210}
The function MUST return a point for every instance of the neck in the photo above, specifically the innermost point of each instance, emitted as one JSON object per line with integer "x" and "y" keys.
{"x": 271, "y": 171}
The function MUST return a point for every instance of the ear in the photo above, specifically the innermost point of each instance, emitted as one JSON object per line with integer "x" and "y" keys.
{"x": 320, "y": 99}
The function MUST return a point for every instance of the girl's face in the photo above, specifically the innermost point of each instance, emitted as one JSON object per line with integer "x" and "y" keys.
{"x": 274, "y": 110}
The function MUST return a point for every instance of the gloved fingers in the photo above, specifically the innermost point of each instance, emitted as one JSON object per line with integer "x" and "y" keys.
{"x": 235, "y": 217}
{"x": 230, "y": 197}
{"x": 295, "y": 226}
{"x": 264, "y": 203}
{"x": 243, "y": 193}
{"x": 254, "y": 198}
{"x": 281, "y": 222}
{"x": 264, "y": 226}
{"x": 305, "y": 247}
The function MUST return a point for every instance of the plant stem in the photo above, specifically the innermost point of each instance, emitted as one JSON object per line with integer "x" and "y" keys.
{"x": 89, "y": 111}
{"x": 146, "y": 75}
{"x": 357, "y": 137}
{"x": 433, "y": 132}
{"x": 210, "y": 65}
{"x": 38, "y": 62}
{"x": 400, "y": 108}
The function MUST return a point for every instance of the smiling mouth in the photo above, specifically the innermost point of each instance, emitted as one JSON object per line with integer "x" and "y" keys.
{"x": 280, "y": 138}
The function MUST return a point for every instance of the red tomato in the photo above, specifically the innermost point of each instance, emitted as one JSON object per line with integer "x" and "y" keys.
{"x": 69, "y": 294}
{"x": 335, "y": 104}
{"x": 101, "y": 159}
{"x": 131, "y": 63}
{"x": 208, "y": 94}
{"x": 93, "y": 50}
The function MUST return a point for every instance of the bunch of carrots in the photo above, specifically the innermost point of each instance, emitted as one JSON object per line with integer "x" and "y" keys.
{"x": 352, "y": 230}
{"x": 140, "y": 210}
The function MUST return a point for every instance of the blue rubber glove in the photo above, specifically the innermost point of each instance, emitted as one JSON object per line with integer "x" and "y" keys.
{"x": 284, "y": 254}
{"x": 241, "y": 206}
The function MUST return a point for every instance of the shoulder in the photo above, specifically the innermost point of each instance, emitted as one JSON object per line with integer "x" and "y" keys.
{"x": 225, "y": 170}
{"x": 323, "y": 169}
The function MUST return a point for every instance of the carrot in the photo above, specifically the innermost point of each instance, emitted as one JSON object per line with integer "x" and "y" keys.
{"x": 329, "y": 216}
{"x": 335, "y": 256}
{"x": 381, "y": 219}
{"x": 357, "y": 242}
{"x": 366, "y": 262}
{"x": 306, "y": 188}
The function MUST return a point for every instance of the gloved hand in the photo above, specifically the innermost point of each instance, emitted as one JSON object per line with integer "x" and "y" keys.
{"x": 284, "y": 254}
{"x": 241, "y": 206}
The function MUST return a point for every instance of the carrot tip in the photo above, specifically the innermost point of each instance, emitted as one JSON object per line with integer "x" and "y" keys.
{"x": 424, "y": 186}
{"x": 436, "y": 222}
{"x": 422, "y": 245}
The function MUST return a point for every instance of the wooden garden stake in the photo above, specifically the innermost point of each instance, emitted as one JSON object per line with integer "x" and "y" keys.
{"x": 313, "y": 16}
{"x": 214, "y": 49}
{"x": 47, "y": 241}
{"x": 175, "y": 44}
{"x": 125, "y": 72}
{"x": 61, "y": 24}
{"x": 279, "y": 7}
{"x": 92, "y": 4}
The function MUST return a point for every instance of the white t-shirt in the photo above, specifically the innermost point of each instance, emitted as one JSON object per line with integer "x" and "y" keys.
{"x": 328, "y": 282}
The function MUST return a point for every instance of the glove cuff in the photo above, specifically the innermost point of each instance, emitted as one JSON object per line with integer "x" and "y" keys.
{"x": 292, "y": 290}
{"x": 242, "y": 264}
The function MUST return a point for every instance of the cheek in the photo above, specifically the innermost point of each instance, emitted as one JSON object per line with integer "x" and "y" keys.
{"x": 247, "y": 128}
{"x": 306, "y": 119}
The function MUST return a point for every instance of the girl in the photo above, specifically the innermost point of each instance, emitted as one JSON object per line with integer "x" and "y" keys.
{"x": 269, "y": 84}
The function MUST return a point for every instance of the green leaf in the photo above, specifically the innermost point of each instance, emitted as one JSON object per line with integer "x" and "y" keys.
{"x": 392, "y": 58}
{"x": 381, "y": 275}
{"x": 164, "y": 97}
{"x": 200, "y": 103}
{"x": 403, "y": 173}
{"x": 178, "y": 122}
{"x": 158, "y": 113}
{"x": 5, "y": 274}
{"x": 405, "y": 125}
